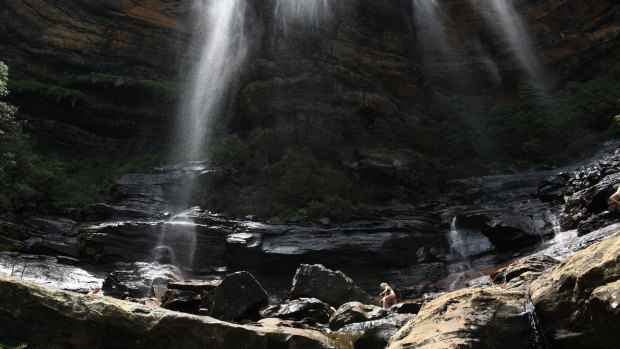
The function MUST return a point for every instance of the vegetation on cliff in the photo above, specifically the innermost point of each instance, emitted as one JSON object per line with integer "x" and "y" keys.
{"x": 24, "y": 177}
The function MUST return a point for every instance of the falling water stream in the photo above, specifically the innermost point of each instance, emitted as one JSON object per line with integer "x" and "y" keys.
{"x": 430, "y": 27}
{"x": 222, "y": 50}
{"x": 509, "y": 24}
{"x": 302, "y": 12}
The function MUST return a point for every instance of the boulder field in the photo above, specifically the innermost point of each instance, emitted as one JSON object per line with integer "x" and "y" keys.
{"x": 573, "y": 303}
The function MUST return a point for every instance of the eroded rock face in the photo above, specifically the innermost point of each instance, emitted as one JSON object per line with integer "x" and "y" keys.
{"x": 574, "y": 297}
{"x": 46, "y": 318}
{"x": 481, "y": 318}
{"x": 359, "y": 61}
{"x": 520, "y": 273}
{"x": 333, "y": 287}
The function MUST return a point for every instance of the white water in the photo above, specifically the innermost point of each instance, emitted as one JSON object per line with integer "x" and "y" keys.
{"x": 222, "y": 49}
{"x": 301, "y": 12}
{"x": 430, "y": 27}
{"x": 509, "y": 24}
{"x": 176, "y": 244}
{"x": 538, "y": 339}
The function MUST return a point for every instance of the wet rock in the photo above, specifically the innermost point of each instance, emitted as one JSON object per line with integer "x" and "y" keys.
{"x": 554, "y": 187}
{"x": 47, "y": 270}
{"x": 333, "y": 287}
{"x": 592, "y": 222}
{"x": 98, "y": 212}
{"x": 68, "y": 320}
{"x": 352, "y": 312}
{"x": 137, "y": 280}
{"x": 47, "y": 247}
{"x": 375, "y": 334}
{"x": 194, "y": 286}
{"x": 591, "y": 199}
{"x": 55, "y": 225}
{"x": 166, "y": 242}
{"x": 507, "y": 230}
{"x": 239, "y": 296}
{"x": 562, "y": 293}
{"x": 300, "y": 309}
{"x": 603, "y": 307}
{"x": 408, "y": 306}
{"x": 183, "y": 301}
{"x": 519, "y": 273}
{"x": 481, "y": 318}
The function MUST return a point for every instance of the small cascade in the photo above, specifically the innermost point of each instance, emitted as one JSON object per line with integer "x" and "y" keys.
{"x": 222, "y": 48}
{"x": 459, "y": 251}
{"x": 176, "y": 244}
{"x": 553, "y": 219}
{"x": 429, "y": 26}
{"x": 457, "y": 242}
{"x": 510, "y": 26}
{"x": 538, "y": 337}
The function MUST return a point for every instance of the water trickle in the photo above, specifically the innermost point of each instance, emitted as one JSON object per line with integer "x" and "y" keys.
{"x": 429, "y": 26}
{"x": 457, "y": 241}
{"x": 538, "y": 337}
{"x": 176, "y": 244}
{"x": 510, "y": 26}
{"x": 222, "y": 49}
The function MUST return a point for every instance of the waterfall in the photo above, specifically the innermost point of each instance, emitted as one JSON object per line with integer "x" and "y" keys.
{"x": 538, "y": 337}
{"x": 222, "y": 49}
{"x": 429, "y": 26}
{"x": 301, "y": 12}
{"x": 457, "y": 242}
{"x": 176, "y": 244}
{"x": 509, "y": 24}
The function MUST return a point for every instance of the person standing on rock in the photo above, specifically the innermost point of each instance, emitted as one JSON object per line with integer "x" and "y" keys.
{"x": 614, "y": 198}
{"x": 388, "y": 295}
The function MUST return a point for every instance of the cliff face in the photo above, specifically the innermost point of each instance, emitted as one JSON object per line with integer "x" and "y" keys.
{"x": 109, "y": 67}
{"x": 114, "y": 67}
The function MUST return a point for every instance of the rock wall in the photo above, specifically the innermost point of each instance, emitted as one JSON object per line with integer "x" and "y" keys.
{"x": 120, "y": 63}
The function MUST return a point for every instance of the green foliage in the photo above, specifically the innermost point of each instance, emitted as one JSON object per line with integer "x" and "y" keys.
{"x": 539, "y": 127}
{"x": 93, "y": 255}
{"x": 89, "y": 179}
{"x": 59, "y": 93}
{"x": 302, "y": 178}
{"x": 165, "y": 88}
{"x": 232, "y": 153}
{"x": 24, "y": 176}
{"x": 21, "y": 346}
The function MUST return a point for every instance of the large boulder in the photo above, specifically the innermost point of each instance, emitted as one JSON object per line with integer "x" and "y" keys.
{"x": 300, "y": 309}
{"x": 375, "y": 334}
{"x": 238, "y": 297}
{"x": 603, "y": 307}
{"x": 353, "y": 312}
{"x": 43, "y": 317}
{"x": 333, "y": 287}
{"x": 520, "y": 273}
{"x": 572, "y": 298}
{"x": 480, "y": 318}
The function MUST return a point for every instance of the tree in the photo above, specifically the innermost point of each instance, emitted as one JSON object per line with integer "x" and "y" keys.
{"x": 23, "y": 176}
